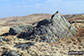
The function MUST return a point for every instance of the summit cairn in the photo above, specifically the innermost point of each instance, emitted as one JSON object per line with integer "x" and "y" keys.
{"x": 50, "y": 30}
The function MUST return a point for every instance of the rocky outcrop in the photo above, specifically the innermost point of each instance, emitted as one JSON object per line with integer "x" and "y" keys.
{"x": 50, "y": 30}
{"x": 18, "y": 29}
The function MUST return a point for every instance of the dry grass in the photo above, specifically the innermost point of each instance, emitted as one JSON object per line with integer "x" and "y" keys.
{"x": 80, "y": 27}
{"x": 4, "y": 30}
{"x": 23, "y": 20}
{"x": 80, "y": 32}
{"x": 59, "y": 48}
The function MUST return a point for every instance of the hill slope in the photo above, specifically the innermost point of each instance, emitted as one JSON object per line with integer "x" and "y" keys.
{"x": 29, "y": 19}
{"x": 23, "y": 20}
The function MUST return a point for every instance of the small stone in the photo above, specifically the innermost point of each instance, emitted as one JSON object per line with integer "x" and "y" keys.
{"x": 3, "y": 39}
{"x": 10, "y": 53}
{"x": 24, "y": 46}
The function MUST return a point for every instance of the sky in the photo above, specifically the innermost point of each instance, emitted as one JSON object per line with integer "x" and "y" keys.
{"x": 9, "y": 8}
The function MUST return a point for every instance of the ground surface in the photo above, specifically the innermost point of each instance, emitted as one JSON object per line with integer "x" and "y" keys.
{"x": 59, "y": 48}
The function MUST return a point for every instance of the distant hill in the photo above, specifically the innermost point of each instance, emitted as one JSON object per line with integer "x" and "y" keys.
{"x": 29, "y": 19}
{"x": 74, "y": 16}
{"x": 23, "y": 20}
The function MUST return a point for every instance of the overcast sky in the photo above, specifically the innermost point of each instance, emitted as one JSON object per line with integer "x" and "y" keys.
{"x": 10, "y": 8}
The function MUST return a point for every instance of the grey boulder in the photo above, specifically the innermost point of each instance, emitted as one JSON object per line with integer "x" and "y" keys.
{"x": 18, "y": 29}
{"x": 50, "y": 30}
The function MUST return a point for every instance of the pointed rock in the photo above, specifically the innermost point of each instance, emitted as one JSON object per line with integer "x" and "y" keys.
{"x": 52, "y": 29}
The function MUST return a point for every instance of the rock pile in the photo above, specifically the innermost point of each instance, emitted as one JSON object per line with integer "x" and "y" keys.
{"x": 50, "y": 30}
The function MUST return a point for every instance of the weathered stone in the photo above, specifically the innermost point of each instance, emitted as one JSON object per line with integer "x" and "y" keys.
{"x": 24, "y": 46}
{"x": 10, "y": 53}
{"x": 18, "y": 29}
{"x": 43, "y": 22}
{"x": 2, "y": 38}
{"x": 55, "y": 28}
